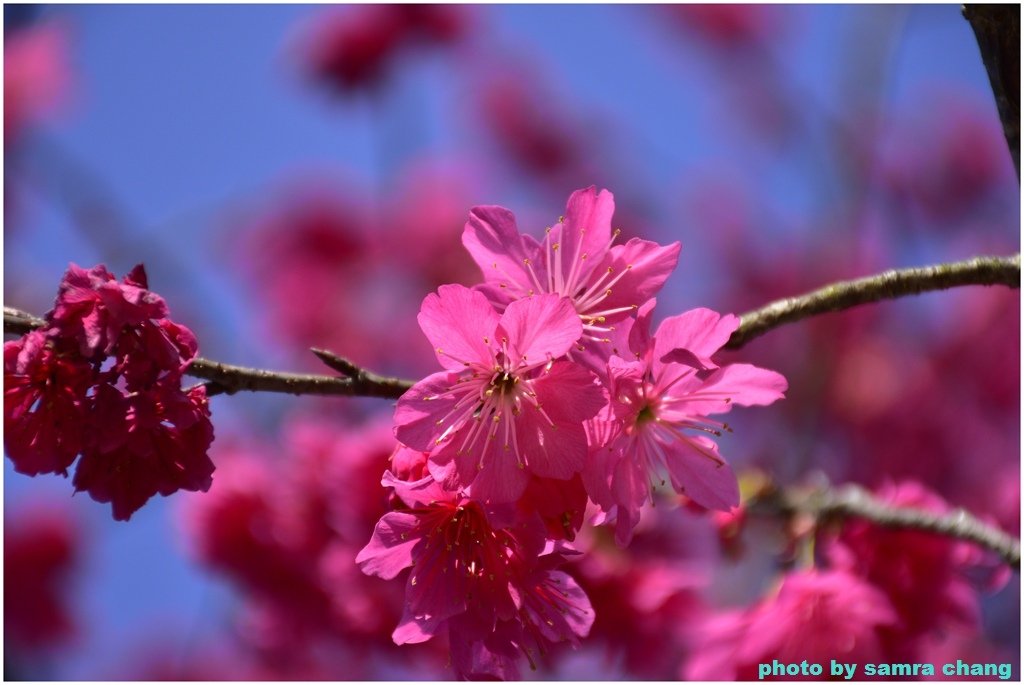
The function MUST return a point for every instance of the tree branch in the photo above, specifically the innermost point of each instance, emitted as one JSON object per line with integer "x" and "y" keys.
{"x": 227, "y": 378}
{"x": 853, "y": 501}
{"x": 821, "y": 503}
{"x": 888, "y": 285}
{"x": 997, "y": 30}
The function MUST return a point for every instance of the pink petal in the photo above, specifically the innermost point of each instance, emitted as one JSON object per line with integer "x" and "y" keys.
{"x": 501, "y": 479}
{"x": 591, "y": 212}
{"x": 418, "y": 493}
{"x": 494, "y": 243}
{"x": 413, "y": 630}
{"x": 457, "y": 321}
{"x": 421, "y": 407}
{"x": 540, "y": 328}
{"x": 390, "y": 549}
{"x": 707, "y": 480}
{"x": 629, "y": 492}
{"x": 734, "y": 384}
{"x": 585, "y": 229}
{"x": 701, "y": 331}
{"x": 640, "y": 339}
{"x": 649, "y": 266}
{"x": 558, "y": 607}
{"x": 554, "y": 451}
{"x": 569, "y": 393}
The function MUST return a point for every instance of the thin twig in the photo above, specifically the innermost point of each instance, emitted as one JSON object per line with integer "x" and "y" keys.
{"x": 888, "y": 285}
{"x": 339, "y": 364}
{"x": 228, "y": 378}
{"x": 822, "y": 503}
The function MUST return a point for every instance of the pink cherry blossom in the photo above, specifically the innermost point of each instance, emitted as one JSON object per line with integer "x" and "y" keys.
{"x": 577, "y": 259}
{"x": 657, "y": 419}
{"x": 37, "y": 75}
{"x": 927, "y": 577}
{"x": 504, "y": 408}
{"x": 484, "y": 576}
{"x": 814, "y": 615}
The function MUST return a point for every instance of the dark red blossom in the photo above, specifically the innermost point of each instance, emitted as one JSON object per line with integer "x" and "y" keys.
{"x": 146, "y": 442}
{"x": 139, "y": 433}
{"x": 45, "y": 404}
{"x": 354, "y": 48}
{"x": 92, "y": 307}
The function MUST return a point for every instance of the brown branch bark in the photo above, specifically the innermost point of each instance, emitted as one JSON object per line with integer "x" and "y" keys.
{"x": 853, "y": 501}
{"x": 888, "y": 285}
{"x": 997, "y": 29}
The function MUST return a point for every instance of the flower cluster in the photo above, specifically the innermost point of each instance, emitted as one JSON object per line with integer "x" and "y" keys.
{"x": 553, "y": 393}
{"x": 102, "y": 379}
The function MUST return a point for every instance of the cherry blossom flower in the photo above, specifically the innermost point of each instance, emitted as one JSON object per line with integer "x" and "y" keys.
{"x": 927, "y": 577}
{"x": 657, "y": 419}
{"x": 486, "y": 577}
{"x": 504, "y": 408}
{"x": 93, "y": 308}
{"x": 46, "y": 410}
{"x": 146, "y": 442}
{"x": 814, "y": 616}
{"x": 577, "y": 259}
{"x": 138, "y": 432}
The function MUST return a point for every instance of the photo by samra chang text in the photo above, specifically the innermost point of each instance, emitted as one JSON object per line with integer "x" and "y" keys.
{"x": 959, "y": 668}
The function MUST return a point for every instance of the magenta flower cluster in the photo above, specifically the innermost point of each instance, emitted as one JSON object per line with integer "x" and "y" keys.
{"x": 102, "y": 380}
{"x": 554, "y": 396}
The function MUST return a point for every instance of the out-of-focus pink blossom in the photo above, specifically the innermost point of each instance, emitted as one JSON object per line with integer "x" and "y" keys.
{"x": 648, "y": 597}
{"x": 549, "y": 145}
{"x": 37, "y": 75}
{"x": 814, "y": 616}
{"x": 948, "y": 165}
{"x": 354, "y": 48}
{"x": 428, "y": 212}
{"x": 42, "y": 549}
{"x": 925, "y": 576}
{"x": 729, "y": 27}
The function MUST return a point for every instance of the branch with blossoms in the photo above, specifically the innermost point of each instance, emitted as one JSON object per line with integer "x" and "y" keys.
{"x": 835, "y": 297}
{"x": 825, "y": 503}
{"x": 555, "y": 395}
